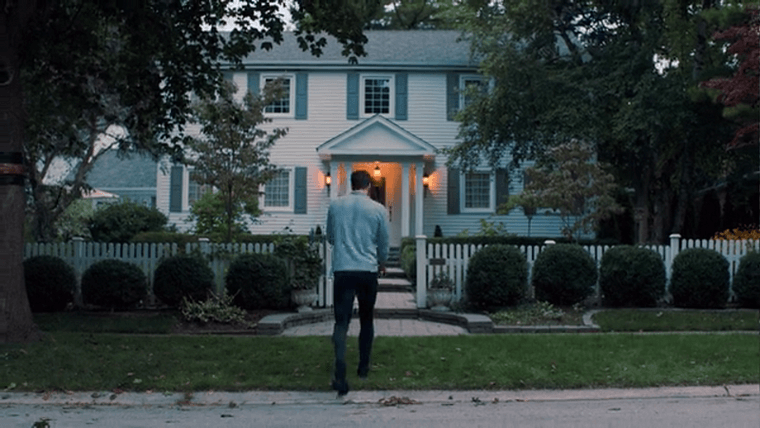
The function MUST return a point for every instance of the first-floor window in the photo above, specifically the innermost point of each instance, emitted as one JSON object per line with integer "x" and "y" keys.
{"x": 478, "y": 191}
{"x": 195, "y": 191}
{"x": 277, "y": 191}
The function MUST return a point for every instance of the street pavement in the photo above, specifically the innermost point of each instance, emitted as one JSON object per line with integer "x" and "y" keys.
{"x": 735, "y": 406}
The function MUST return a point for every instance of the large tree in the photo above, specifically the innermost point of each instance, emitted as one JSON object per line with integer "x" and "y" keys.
{"x": 130, "y": 63}
{"x": 598, "y": 71}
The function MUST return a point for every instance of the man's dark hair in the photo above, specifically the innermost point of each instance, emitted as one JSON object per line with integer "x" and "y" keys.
{"x": 360, "y": 180}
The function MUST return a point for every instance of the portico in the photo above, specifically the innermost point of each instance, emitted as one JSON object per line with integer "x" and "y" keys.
{"x": 397, "y": 159}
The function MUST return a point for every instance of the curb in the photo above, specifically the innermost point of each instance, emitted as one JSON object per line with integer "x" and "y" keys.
{"x": 268, "y": 398}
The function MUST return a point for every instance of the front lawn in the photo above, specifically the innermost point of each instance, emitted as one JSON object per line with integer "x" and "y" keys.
{"x": 677, "y": 320}
{"x": 109, "y": 362}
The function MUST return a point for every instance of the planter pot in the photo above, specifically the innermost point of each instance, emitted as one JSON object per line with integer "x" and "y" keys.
{"x": 303, "y": 299}
{"x": 439, "y": 299}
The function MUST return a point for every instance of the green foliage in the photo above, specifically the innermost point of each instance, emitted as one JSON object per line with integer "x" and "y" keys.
{"x": 50, "y": 283}
{"x": 496, "y": 276}
{"x": 114, "y": 284}
{"x": 487, "y": 230}
{"x": 120, "y": 222}
{"x": 208, "y": 215}
{"x": 700, "y": 279}
{"x": 259, "y": 281}
{"x": 74, "y": 222}
{"x": 747, "y": 280}
{"x": 219, "y": 309}
{"x": 564, "y": 274}
{"x": 631, "y": 276}
{"x": 408, "y": 260}
{"x": 301, "y": 254}
{"x": 441, "y": 281}
{"x": 180, "y": 277}
{"x": 539, "y": 313}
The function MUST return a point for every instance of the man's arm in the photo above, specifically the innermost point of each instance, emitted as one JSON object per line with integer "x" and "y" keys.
{"x": 330, "y": 226}
{"x": 382, "y": 241}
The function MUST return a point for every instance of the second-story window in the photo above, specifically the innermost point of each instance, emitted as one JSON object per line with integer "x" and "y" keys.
{"x": 284, "y": 105}
{"x": 468, "y": 88}
{"x": 377, "y": 95}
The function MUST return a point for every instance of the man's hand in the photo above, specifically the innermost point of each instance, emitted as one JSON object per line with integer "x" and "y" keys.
{"x": 381, "y": 269}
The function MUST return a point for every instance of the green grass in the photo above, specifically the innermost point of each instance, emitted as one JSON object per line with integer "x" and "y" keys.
{"x": 676, "y": 320}
{"x": 86, "y": 361}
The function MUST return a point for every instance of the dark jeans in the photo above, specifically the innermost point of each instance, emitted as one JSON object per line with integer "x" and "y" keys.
{"x": 363, "y": 285}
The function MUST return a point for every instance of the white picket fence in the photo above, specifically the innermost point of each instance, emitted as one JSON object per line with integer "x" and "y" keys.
{"x": 453, "y": 259}
{"x": 81, "y": 255}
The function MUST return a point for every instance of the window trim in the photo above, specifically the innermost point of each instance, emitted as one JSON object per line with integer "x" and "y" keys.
{"x": 291, "y": 92}
{"x": 463, "y": 79}
{"x": 291, "y": 194}
{"x": 463, "y": 192}
{"x": 391, "y": 89}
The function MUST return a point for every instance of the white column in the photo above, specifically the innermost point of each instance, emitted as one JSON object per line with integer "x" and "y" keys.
{"x": 418, "y": 195}
{"x": 405, "y": 211}
{"x": 335, "y": 180}
{"x": 348, "y": 167}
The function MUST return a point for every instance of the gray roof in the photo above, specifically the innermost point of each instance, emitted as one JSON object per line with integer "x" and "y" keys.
{"x": 385, "y": 49}
{"x": 130, "y": 170}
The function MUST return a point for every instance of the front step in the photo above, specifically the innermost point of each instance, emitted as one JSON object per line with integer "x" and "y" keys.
{"x": 394, "y": 280}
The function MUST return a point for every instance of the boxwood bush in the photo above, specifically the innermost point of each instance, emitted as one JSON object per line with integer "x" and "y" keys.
{"x": 497, "y": 276}
{"x": 120, "y": 222}
{"x": 408, "y": 260}
{"x": 114, "y": 284}
{"x": 50, "y": 283}
{"x": 747, "y": 280}
{"x": 564, "y": 274}
{"x": 182, "y": 276}
{"x": 700, "y": 279}
{"x": 259, "y": 281}
{"x": 631, "y": 276}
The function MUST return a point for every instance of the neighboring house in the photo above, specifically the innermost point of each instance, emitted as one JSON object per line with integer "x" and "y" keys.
{"x": 126, "y": 176}
{"x": 389, "y": 114}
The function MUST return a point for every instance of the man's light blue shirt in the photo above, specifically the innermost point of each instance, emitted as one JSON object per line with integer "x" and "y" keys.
{"x": 357, "y": 227}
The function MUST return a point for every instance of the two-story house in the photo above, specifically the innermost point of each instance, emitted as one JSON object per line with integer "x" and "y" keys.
{"x": 390, "y": 114}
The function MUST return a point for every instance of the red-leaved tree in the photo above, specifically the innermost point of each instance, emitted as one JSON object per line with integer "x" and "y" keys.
{"x": 740, "y": 93}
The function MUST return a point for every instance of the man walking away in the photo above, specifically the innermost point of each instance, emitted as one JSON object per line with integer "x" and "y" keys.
{"x": 357, "y": 227}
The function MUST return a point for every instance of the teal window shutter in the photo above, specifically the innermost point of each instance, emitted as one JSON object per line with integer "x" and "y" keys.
{"x": 175, "y": 189}
{"x": 253, "y": 82}
{"x": 301, "y": 190}
{"x": 402, "y": 96}
{"x": 502, "y": 186}
{"x": 302, "y": 93}
{"x": 352, "y": 96}
{"x": 227, "y": 76}
{"x": 452, "y": 95}
{"x": 453, "y": 191}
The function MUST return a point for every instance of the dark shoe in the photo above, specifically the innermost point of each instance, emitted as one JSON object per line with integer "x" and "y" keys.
{"x": 341, "y": 387}
{"x": 362, "y": 372}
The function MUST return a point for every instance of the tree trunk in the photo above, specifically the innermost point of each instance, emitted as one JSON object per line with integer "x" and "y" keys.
{"x": 16, "y": 323}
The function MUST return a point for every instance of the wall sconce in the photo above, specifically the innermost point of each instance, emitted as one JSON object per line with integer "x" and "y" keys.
{"x": 377, "y": 171}
{"x": 328, "y": 182}
{"x": 425, "y": 183}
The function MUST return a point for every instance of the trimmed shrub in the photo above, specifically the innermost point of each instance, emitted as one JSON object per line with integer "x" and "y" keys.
{"x": 631, "y": 276}
{"x": 50, "y": 283}
{"x": 496, "y": 276}
{"x": 408, "y": 260}
{"x": 259, "y": 281}
{"x": 747, "y": 280}
{"x": 182, "y": 276}
{"x": 121, "y": 221}
{"x": 564, "y": 274}
{"x": 700, "y": 279}
{"x": 114, "y": 284}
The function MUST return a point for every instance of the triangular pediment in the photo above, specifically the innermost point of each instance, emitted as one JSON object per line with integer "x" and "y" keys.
{"x": 376, "y": 137}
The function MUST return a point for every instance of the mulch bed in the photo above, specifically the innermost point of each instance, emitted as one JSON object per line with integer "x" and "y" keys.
{"x": 249, "y": 328}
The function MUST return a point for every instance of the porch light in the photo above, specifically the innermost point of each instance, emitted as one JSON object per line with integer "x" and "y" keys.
{"x": 377, "y": 171}
{"x": 328, "y": 181}
{"x": 426, "y": 181}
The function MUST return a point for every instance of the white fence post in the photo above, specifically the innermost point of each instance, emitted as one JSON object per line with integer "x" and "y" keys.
{"x": 422, "y": 262}
{"x": 671, "y": 253}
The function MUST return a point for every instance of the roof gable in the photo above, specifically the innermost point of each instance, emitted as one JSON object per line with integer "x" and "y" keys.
{"x": 377, "y": 137}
